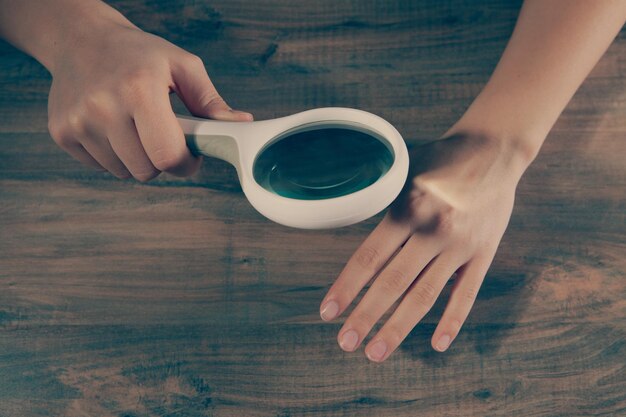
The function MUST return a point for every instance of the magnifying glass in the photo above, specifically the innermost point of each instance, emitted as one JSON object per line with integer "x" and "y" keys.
{"x": 321, "y": 168}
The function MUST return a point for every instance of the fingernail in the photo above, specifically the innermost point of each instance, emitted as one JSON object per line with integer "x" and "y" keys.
{"x": 349, "y": 340}
{"x": 377, "y": 351}
{"x": 443, "y": 343}
{"x": 329, "y": 311}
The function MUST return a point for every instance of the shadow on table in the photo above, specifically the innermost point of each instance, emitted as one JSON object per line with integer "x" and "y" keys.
{"x": 502, "y": 300}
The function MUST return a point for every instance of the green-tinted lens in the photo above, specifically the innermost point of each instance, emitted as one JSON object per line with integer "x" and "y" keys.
{"x": 322, "y": 163}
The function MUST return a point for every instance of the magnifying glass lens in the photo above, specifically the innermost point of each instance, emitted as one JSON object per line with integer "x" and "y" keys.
{"x": 322, "y": 163}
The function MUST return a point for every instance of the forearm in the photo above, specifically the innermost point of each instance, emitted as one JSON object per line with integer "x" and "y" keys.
{"x": 41, "y": 28}
{"x": 553, "y": 48}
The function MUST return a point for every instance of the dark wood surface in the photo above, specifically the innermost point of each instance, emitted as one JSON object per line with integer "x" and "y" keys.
{"x": 175, "y": 298}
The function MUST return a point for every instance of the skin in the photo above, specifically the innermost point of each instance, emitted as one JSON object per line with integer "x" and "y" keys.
{"x": 109, "y": 101}
{"x": 454, "y": 209}
{"x": 109, "y": 108}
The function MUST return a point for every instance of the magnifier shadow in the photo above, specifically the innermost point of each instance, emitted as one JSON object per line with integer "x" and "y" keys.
{"x": 501, "y": 299}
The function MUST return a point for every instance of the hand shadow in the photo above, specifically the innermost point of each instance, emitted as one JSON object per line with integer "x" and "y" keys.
{"x": 501, "y": 301}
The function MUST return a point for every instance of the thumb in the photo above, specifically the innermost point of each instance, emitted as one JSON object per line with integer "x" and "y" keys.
{"x": 196, "y": 90}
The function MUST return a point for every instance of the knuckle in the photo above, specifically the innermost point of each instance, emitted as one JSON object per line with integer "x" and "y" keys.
{"x": 193, "y": 60}
{"x": 419, "y": 185}
{"x": 394, "y": 281}
{"x": 455, "y": 326}
{"x": 393, "y": 335}
{"x": 64, "y": 142}
{"x": 367, "y": 258}
{"x": 363, "y": 320}
{"x": 98, "y": 105}
{"x": 136, "y": 86}
{"x": 139, "y": 76}
{"x": 416, "y": 205}
{"x": 343, "y": 292}
{"x": 211, "y": 97}
{"x": 469, "y": 294}
{"x": 75, "y": 122}
{"x": 145, "y": 176}
{"x": 60, "y": 133}
{"x": 122, "y": 175}
{"x": 423, "y": 295}
{"x": 446, "y": 221}
{"x": 419, "y": 192}
{"x": 167, "y": 159}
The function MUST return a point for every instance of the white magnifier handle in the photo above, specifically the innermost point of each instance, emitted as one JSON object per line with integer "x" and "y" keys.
{"x": 212, "y": 138}
{"x": 239, "y": 143}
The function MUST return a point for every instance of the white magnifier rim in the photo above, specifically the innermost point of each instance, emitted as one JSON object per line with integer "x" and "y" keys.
{"x": 240, "y": 142}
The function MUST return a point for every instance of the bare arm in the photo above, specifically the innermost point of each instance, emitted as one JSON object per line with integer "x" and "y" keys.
{"x": 555, "y": 45}
{"x": 44, "y": 28}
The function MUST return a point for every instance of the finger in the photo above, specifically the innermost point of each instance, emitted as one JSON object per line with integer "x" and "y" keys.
{"x": 197, "y": 91}
{"x": 366, "y": 261}
{"x": 388, "y": 287}
{"x": 125, "y": 142}
{"x": 417, "y": 301}
{"x": 162, "y": 137}
{"x": 79, "y": 153}
{"x": 100, "y": 149}
{"x": 67, "y": 139}
{"x": 462, "y": 297}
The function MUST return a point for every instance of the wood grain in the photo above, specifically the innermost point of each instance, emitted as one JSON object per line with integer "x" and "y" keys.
{"x": 175, "y": 298}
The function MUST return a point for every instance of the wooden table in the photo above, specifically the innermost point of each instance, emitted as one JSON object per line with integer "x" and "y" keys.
{"x": 175, "y": 298}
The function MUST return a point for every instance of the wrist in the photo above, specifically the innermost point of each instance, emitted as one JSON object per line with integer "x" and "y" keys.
{"x": 519, "y": 140}
{"x": 71, "y": 27}
{"x": 515, "y": 149}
